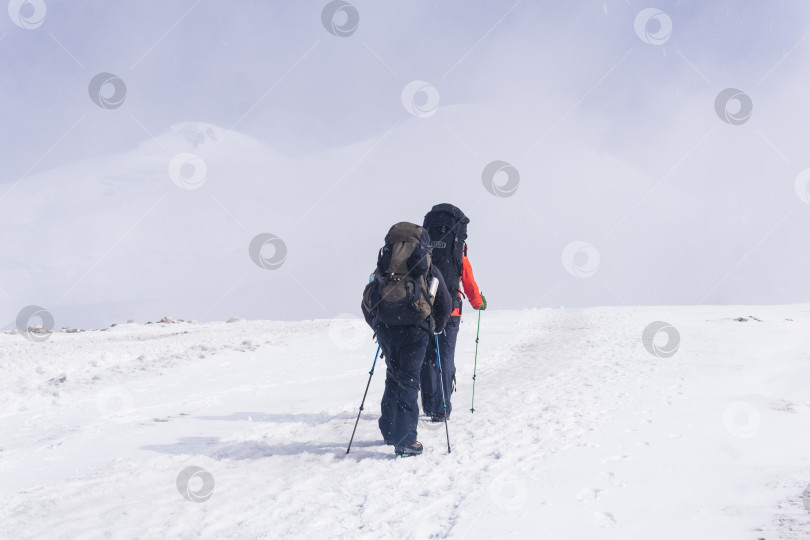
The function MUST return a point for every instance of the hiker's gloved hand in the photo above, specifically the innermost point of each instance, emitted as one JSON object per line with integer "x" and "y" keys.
{"x": 483, "y": 305}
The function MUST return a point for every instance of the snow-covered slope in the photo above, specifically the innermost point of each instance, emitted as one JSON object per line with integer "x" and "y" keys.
{"x": 579, "y": 431}
{"x": 137, "y": 234}
{"x": 123, "y": 237}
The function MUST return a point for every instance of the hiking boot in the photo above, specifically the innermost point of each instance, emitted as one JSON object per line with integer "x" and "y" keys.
{"x": 438, "y": 418}
{"x": 414, "y": 449}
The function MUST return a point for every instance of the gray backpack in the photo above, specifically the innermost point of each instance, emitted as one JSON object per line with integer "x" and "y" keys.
{"x": 398, "y": 294}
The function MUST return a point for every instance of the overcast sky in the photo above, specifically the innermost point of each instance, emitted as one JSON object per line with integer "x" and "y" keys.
{"x": 632, "y": 186}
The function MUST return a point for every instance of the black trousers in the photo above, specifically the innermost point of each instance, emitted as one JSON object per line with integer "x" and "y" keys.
{"x": 431, "y": 385}
{"x": 404, "y": 348}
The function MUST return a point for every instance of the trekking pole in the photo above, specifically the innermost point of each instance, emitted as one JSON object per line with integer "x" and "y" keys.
{"x": 475, "y": 368}
{"x": 444, "y": 401}
{"x": 370, "y": 373}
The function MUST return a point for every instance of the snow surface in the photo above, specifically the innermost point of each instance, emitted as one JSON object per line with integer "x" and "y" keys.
{"x": 579, "y": 432}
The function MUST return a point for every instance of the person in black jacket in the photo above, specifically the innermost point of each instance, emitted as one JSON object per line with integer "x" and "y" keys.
{"x": 404, "y": 342}
{"x": 447, "y": 227}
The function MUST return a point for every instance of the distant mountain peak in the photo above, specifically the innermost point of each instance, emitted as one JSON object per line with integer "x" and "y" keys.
{"x": 201, "y": 137}
{"x": 198, "y": 134}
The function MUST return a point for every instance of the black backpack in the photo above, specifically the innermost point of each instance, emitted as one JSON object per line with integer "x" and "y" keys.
{"x": 447, "y": 227}
{"x": 398, "y": 294}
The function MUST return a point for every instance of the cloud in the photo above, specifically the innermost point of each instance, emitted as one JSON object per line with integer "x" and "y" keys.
{"x": 616, "y": 141}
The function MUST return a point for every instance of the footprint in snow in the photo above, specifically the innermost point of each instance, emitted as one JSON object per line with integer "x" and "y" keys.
{"x": 605, "y": 519}
{"x": 621, "y": 457}
{"x": 589, "y": 495}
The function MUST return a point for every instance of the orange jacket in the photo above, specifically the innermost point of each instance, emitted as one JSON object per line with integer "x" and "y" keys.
{"x": 469, "y": 284}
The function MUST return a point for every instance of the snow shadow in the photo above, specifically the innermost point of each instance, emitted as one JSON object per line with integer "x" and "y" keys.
{"x": 213, "y": 448}
{"x": 306, "y": 418}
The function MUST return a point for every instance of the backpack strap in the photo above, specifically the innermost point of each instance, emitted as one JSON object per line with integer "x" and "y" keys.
{"x": 431, "y": 318}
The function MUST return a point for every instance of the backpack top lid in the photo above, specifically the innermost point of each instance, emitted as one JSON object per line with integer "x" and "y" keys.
{"x": 404, "y": 232}
{"x": 448, "y": 208}
{"x": 406, "y": 251}
{"x": 445, "y": 217}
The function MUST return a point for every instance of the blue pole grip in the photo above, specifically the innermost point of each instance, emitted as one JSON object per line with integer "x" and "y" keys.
{"x": 438, "y": 356}
{"x": 439, "y": 360}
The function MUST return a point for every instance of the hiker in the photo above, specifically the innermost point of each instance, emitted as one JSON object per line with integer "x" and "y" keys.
{"x": 447, "y": 227}
{"x": 405, "y": 302}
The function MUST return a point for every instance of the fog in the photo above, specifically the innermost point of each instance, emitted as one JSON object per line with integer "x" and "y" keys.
{"x": 634, "y": 178}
